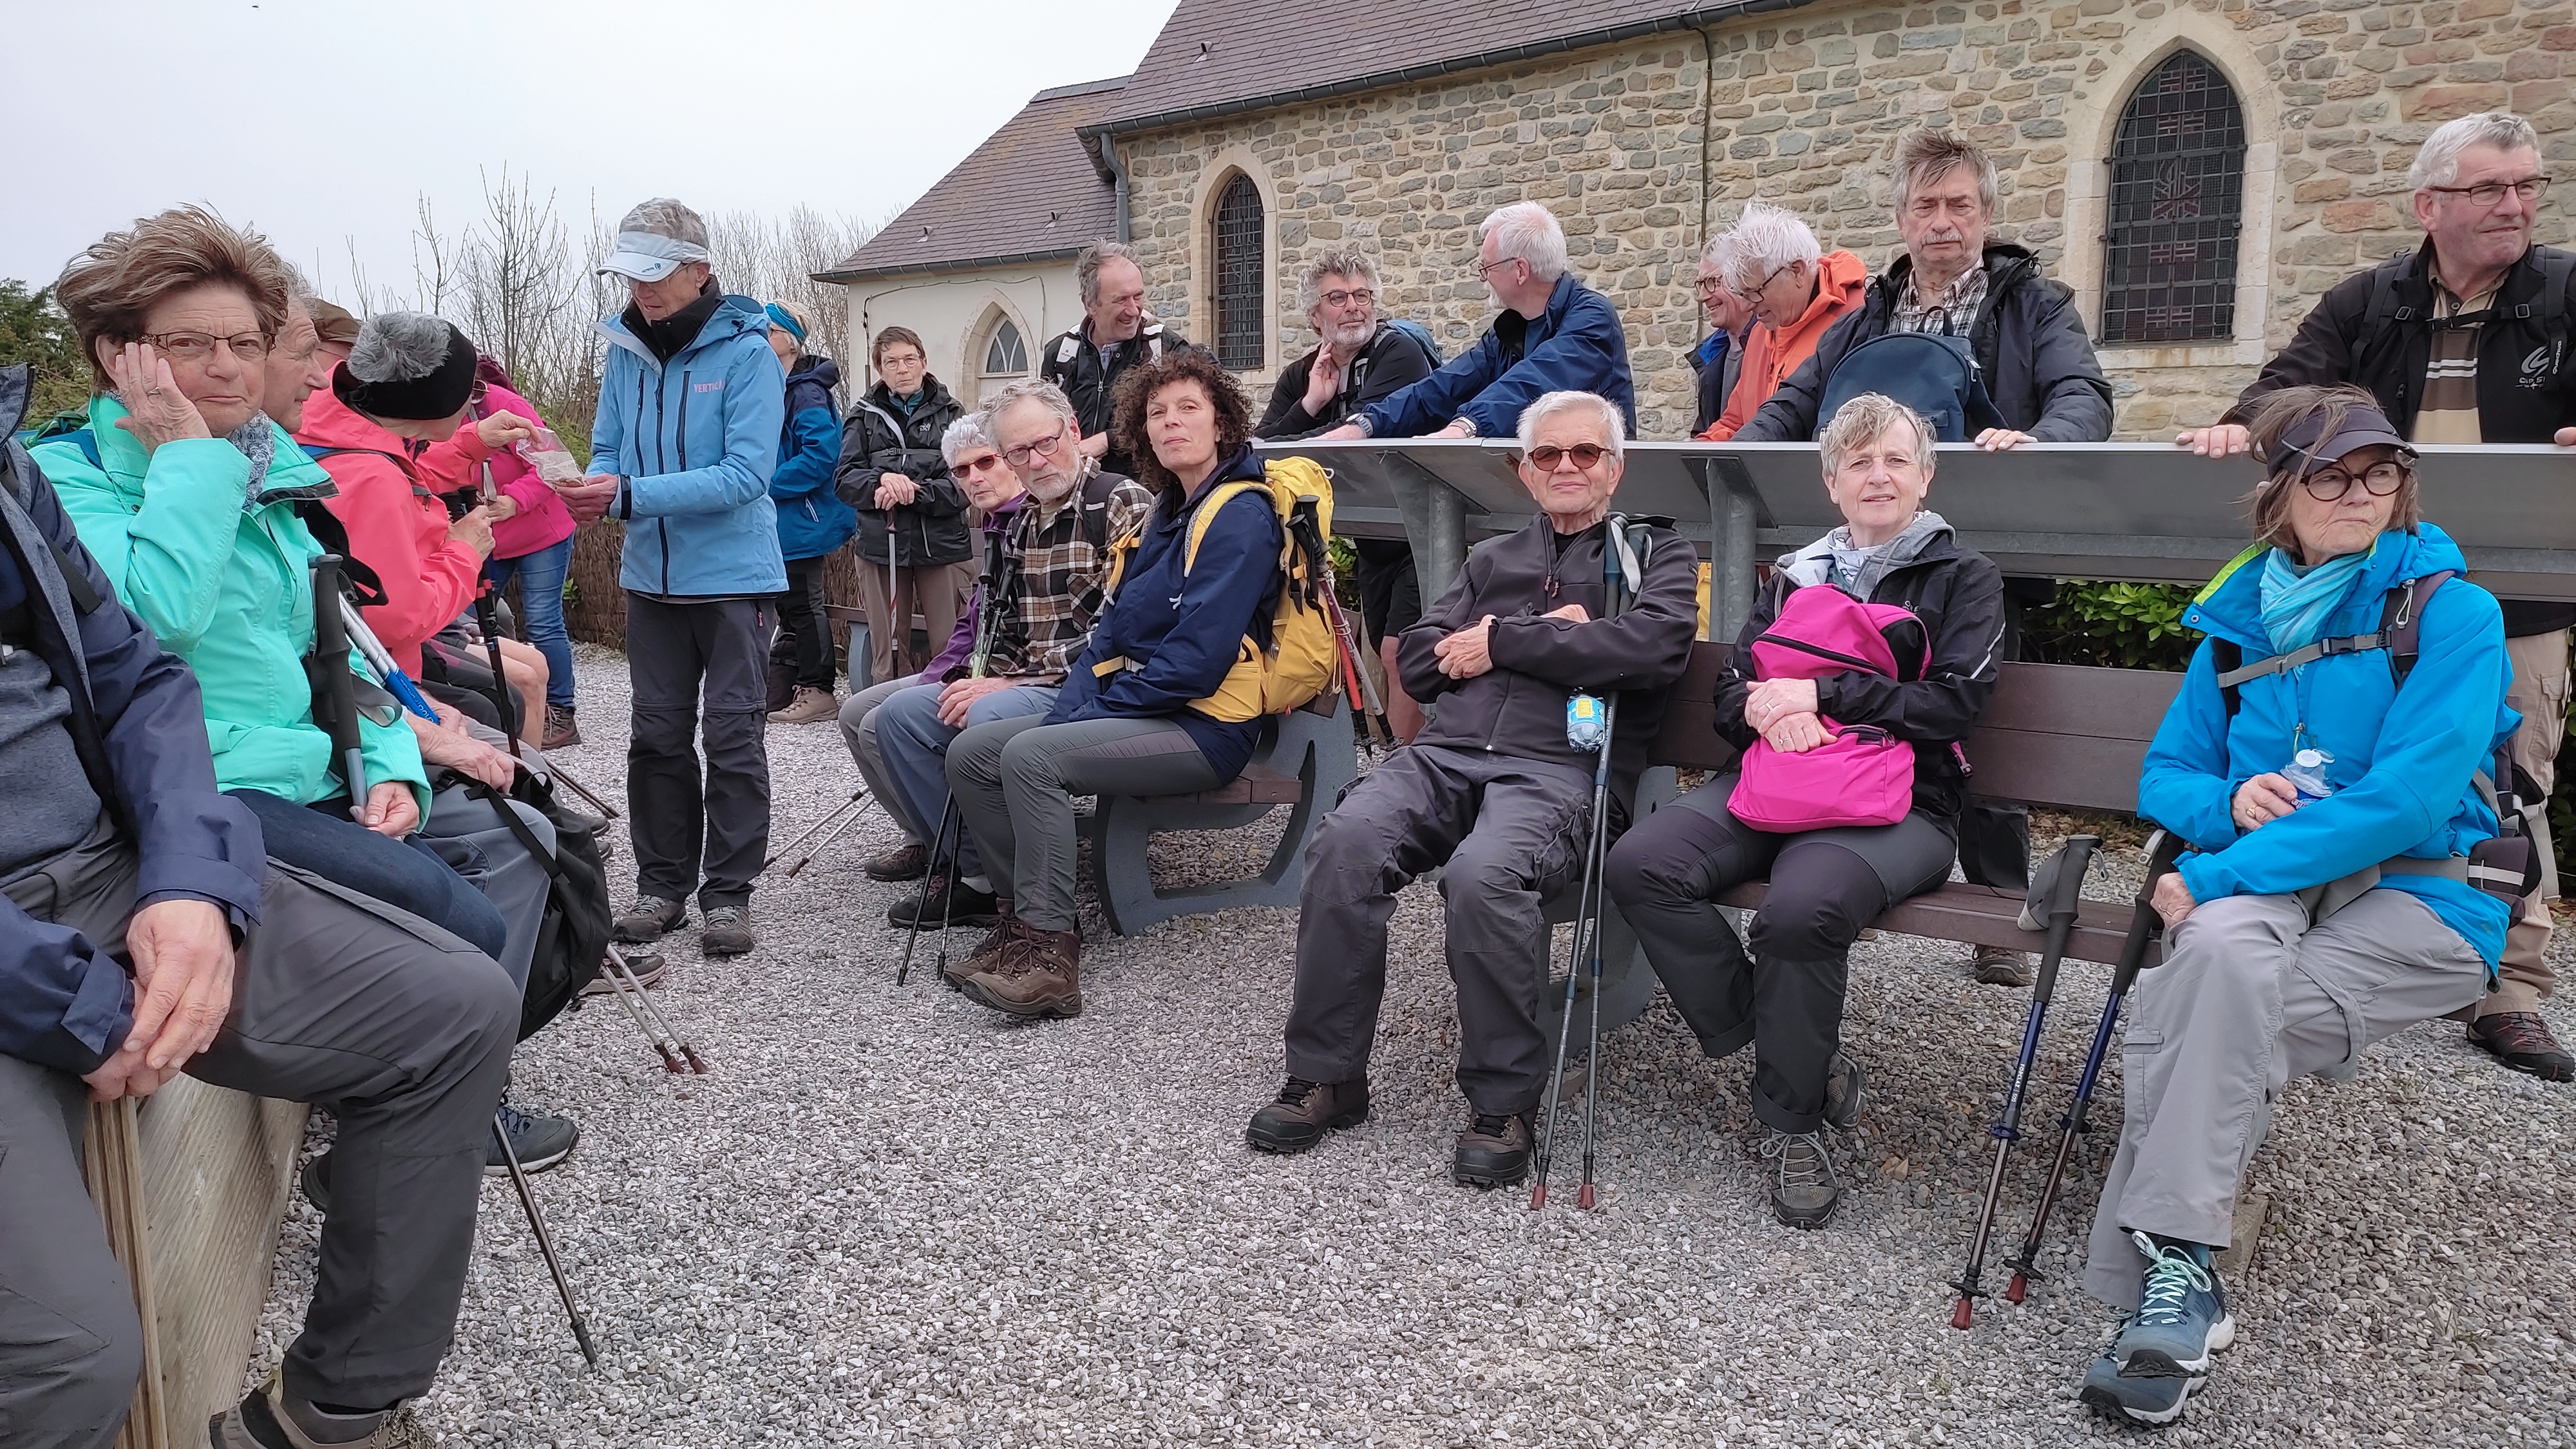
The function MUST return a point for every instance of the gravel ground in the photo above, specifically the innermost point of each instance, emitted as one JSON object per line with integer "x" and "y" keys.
{"x": 888, "y": 1217}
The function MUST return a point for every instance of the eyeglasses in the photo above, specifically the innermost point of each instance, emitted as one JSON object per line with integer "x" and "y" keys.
{"x": 1546, "y": 456}
{"x": 1485, "y": 270}
{"x": 1765, "y": 284}
{"x": 197, "y": 346}
{"x": 979, "y": 463}
{"x": 2486, "y": 194}
{"x": 1338, "y": 300}
{"x": 2327, "y": 485}
{"x": 1708, "y": 286}
{"x": 1042, "y": 448}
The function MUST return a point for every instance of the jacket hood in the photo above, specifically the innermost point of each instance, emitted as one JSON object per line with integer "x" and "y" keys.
{"x": 1842, "y": 279}
{"x": 823, "y": 372}
{"x": 734, "y": 315}
{"x": 2231, "y": 605}
{"x": 1928, "y": 536}
{"x": 332, "y": 423}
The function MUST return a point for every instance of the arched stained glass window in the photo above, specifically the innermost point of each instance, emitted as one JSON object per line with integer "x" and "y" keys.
{"x": 1237, "y": 252}
{"x": 1005, "y": 356}
{"x": 2177, "y": 202}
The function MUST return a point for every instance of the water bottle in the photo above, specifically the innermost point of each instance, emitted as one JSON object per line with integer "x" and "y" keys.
{"x": 2307, "y": 775}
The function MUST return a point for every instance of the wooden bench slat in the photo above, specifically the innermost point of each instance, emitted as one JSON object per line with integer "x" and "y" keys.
{"x": 1984, "y": 917}
{"x": 1257, "y": 785}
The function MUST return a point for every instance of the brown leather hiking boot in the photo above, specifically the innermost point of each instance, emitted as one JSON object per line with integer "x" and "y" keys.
{"x": 987, "y": 954}
{"x": 2521, "y": 1040}
{"x": 1494, "y": 1151}
{"x": 1305, "y": 1111}
{"x": 1040, "y": 975}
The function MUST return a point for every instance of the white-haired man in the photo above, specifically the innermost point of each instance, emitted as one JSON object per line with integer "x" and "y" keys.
{"x": 1118, "y": 331}
{"x": 1796, "y": 290}
{"x": 1494, "y": 789}
{"x": 1551, "y": 334}
{"x": 1053, "y": 584}
{"x": 2465, "y": 340}
{"x": 1719, "y": 358}
{"x": 1360, "y": 359}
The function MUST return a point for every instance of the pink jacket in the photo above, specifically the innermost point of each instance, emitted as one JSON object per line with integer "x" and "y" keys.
{"x": 542, "y": 520}
{"x": 397, "y": 525}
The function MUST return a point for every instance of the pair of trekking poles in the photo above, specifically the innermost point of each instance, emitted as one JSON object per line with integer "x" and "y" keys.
{"x": 2053, "y": 904}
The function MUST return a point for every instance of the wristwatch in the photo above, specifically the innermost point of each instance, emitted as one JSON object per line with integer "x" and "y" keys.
{"x": 1468, "y": 423}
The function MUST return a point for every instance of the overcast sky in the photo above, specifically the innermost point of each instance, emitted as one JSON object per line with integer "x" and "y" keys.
{"x": 319, "y": 121}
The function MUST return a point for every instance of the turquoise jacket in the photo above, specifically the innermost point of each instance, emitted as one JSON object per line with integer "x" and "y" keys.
{"x": 696, "y": 440}
{"x": 2405, "y": 760}
{"x": 228, "y": 590}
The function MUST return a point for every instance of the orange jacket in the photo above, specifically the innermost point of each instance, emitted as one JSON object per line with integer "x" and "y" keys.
{"x": 396, "y": 525}
{"x": 1841, "y": 283}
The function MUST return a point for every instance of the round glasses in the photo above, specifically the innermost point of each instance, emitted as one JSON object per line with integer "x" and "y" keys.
{"x": 1043, "y": 448}
{"x": 2327, "y": 485}
{"x": 1546, "y": 456}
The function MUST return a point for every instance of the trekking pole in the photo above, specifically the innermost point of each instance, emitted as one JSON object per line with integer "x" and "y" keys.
{"x": 857, "y": 797}
{"x": 622, "y": 980}
{"x": 1001, "y": 588}
{"x": 2061, "y": 893}
{"x": 1586, "y": 911}
{"x": 488, "y": 619}
{"x": 2145, "y": 926}
{"x": 545, "y": 1241}
{"x": 895, "y": 630}
{"x": 555, "y": 769}
{"x": 825, "y": 843}
{"x": 1632, "y": 552}
{"x": 921, "y": 897}
{"x": 653, "y": 1010}
{"x": 1363, "y": 689}
{"x": 334, "y": 687}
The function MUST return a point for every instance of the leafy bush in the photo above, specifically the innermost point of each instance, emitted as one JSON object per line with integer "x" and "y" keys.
{"x": 2122, "y": 626}
{"x": 33, "y": 330}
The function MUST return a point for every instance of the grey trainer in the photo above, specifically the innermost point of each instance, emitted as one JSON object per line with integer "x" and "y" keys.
{"x": 727, "y": 931}
{"x": 1806, "y": 1193}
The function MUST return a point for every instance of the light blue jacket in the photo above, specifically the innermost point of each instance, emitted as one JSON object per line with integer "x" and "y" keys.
{"x": 696, "y": 441}
{"x": 2405, "y": 760}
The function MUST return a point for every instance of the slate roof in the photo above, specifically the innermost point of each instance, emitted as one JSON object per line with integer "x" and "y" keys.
{"x": 1215, "y": 57}
{"x": 1031, "y": 192}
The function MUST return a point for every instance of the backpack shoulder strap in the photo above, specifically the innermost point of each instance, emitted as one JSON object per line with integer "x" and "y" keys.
{"x": 1203, "y": 515}
{"x": 2227, "y": 656}
{"x": 2401, "y": 621}
{"x": 1093, "y": 513}
{"x": 2557, "y": 268}
{"x": 2400, "y": 628}
{"x": 2384, "y": 307}
{"x": 81, "y": 438}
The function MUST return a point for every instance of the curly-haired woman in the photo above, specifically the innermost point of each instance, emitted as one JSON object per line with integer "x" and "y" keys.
{"x": 1124, "y": 725}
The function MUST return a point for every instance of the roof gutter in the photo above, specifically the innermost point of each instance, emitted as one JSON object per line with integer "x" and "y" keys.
{"x": 1432, "y": 70}
{"x": 924, "y": 269}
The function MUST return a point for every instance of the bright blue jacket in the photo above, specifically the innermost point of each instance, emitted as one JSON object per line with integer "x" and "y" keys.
{"x": 812, "y": 519}
{"x": 1184, "y": 625}
{"x": 2404, "y": 761}
{"x": 1576, "y": 345}
{"x": 696, "y": 441}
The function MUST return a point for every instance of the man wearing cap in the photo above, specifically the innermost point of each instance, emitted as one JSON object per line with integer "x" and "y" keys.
{"x": 690, "y": 408}
{"x": 2465, "y": 340}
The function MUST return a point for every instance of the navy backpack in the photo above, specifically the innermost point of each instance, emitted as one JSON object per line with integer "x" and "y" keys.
{"x": 1934, "y": 373}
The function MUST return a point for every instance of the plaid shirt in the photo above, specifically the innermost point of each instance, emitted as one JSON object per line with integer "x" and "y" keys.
{"x": 1061, "y": 581}
{"x": 1958, "y": 303}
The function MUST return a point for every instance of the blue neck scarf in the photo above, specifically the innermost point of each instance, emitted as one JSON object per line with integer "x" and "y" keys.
{"x": 2298, "y": 602}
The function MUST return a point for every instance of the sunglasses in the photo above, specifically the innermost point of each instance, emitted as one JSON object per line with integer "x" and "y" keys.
{"x": 1546, "y": 456}
{"x": 977, "y": 464}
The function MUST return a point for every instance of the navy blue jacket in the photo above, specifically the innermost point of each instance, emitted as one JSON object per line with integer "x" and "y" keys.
{"x": 812, "y": 519}
{"x": 1576, "y": 345}
{"x": 139, "y": 726}
{"x": 1185, "y": 626}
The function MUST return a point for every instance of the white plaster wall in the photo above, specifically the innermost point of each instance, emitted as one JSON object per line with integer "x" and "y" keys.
{"x": 953, "y": 313}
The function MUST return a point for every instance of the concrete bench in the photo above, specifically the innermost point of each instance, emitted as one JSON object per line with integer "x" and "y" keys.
{"x": 852, "y": 622}
{"x": 1304, "y": 760}
{"x": 192, "y": 1184}
{"x": 2054, "y": 735}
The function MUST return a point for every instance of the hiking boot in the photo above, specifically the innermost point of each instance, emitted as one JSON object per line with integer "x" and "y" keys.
{"x": 539, "y": 1140}
{"x": 317, "y": 1182}
{"x": 561, "y": 733}
{"x": 1494, "y": 1151}
{"x": 727, "y": 931}
{"x": 2140, "y": 1401}
{"x": 987, "y": 953}
{"x": 1038, "y": 975}
{"x": 649, "y": 919}
{"x": 1844, "y": 1084}
{"x": 267, "y": 1419}
{"x": 1305, "y": 1111}
{"x": 1806, "y": 1192}
{"x": 1996, "y": 966}
{"x": 906, "y": 862}
{"x": 2182, "y": 1316}
{"x": 648, "y": 966}
{"x": 809, "y": 705}
{"x": 2521, "y": 1040}
{"x": 946, "y": 898}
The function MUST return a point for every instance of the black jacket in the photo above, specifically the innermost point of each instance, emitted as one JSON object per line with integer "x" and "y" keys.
{"x": 1958, "y": 594}
{"x": 877, "y": 438}
{"x": 2526, "y": 387}
{"x": 1072, "y": 363}
{"x": 1716, "y": 383}
{"x": 2029, "y": 339}
{"x": 1517, "y": 707}
{"x": 1391, "y": 362}
{"x": 138, "y": 725}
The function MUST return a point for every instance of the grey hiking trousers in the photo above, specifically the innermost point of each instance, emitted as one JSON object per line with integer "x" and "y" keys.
{"x": 2249, "y": 997}
{"x": 692, "y": 831}
{"x": 404, "y": 1030}
{"x": 1014, "y": 781}
{"x": 859, "y": 732}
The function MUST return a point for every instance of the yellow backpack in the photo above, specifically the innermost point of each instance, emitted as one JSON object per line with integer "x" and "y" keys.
{"x": 1303, "y": 658}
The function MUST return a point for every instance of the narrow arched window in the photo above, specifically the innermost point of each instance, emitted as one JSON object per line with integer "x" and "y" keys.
{"x": 1237, "y": 251}
{"x": 2177, "y": 202}
{"x": 1006, "y": 356}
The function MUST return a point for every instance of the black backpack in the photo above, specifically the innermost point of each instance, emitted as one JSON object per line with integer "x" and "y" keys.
{"x": 1934, "y": 373}
{"x": 572, "y": 939}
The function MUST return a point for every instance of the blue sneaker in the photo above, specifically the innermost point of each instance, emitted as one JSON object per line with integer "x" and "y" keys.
{"x": 2182, "y": 1315}
{"x": 2140, "y": 1401}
